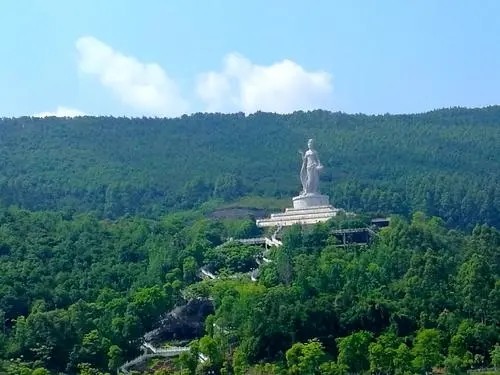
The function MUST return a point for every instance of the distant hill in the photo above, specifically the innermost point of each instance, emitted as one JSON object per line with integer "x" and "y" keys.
{"x": 445, "y": 162}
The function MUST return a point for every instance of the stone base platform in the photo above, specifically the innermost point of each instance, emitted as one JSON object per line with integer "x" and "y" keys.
{"x": 308, "y": 215}
{"x": 310, "y": 201}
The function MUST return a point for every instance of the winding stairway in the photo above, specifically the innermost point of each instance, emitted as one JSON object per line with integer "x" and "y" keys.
{"x": 151, "y": 351}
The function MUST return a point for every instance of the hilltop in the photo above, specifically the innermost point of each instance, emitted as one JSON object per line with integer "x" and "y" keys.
{"x": 445, "y": 162}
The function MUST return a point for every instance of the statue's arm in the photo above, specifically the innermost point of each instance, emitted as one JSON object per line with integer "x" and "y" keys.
{"x": 317, "y": 160}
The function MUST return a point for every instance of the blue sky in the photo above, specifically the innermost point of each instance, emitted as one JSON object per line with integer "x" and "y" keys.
{"x": 166, "y": 58}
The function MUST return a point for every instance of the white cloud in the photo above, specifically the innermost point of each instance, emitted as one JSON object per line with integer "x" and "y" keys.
{"x": 282, "y": 87}
{"x": 61, "y": 112}
{"x": 144, "y": 86}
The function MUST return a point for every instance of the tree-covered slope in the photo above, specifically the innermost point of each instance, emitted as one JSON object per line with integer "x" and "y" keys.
{"x": 77, "y": 291}
{"x": 444, "y": 162}
{"x": 419, "y": 298}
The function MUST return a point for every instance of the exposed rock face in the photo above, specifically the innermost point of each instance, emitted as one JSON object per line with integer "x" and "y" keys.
{"x": 182, "y": 323}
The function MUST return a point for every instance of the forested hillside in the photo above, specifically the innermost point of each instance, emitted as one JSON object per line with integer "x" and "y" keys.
{"x": 106, "y": 225}
{"x": 77, "y": 294}
{"x": 444, "y": 162}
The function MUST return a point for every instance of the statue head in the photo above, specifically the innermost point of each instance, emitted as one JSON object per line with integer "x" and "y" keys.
{"x": 310, "y": 143}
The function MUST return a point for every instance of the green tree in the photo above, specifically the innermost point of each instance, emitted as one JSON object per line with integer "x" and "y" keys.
{"x": 187, "y": 363}
{"x": 495, "y": 356}
{"x": 305, "y": 358}
{"x": 40, "y": 371}
{"x": 265, "y": 369}
{"x": 208, "y": 346}
{"x": 459, "y": 357}
{"x": 240, "y": 362}
{"x": 148, "y": 304}
{"x": 87, "y": 369}
{"x": 427, "y": 349}
{"x": 332, "y": 368}
{"x": 474, "y": 283}
{"x": 353, "y": 351}
{"x": 115, "y": 357}
{"x": 189, "y": 269}
{"x": 94, "y": 350}
{"x": 228, "y": 186}
{"x": 382, "y": 353}
{"x": 402, "y": 359}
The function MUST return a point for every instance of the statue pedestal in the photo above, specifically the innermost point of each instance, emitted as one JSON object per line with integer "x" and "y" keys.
{"x": 307, "y": 210}
{"x": 310, "y": 200}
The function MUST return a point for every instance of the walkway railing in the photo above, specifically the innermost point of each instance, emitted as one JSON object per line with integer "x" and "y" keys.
{"x": 177, "y": 350}
{"x": 156, "y": 352}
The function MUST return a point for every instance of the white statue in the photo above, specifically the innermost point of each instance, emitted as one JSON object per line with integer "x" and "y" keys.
{"x": 309, "y": 173}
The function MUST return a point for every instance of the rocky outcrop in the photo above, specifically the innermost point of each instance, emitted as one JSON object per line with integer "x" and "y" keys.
{"x": 183, "y": 323}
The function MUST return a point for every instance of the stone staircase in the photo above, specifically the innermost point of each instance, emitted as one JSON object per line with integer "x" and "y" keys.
{"x": 304, "y": 216}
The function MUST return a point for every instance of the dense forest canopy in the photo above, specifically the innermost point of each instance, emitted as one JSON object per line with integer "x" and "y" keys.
{"x": 106, "y": 224}
{"x": 444, "y": 162}
{"x": 77, "y": 294}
